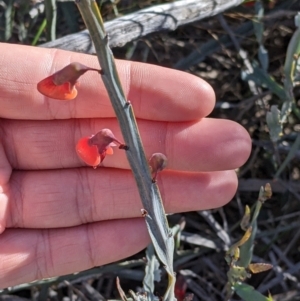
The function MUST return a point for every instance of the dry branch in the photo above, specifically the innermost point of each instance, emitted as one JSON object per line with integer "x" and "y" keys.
{"x": 143, "y": 22}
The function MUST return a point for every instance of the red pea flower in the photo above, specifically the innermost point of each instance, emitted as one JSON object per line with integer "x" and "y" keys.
{"x": 157, "y": 163}
{"x": 92, "y": 150}
{"x": 62, "y": 84}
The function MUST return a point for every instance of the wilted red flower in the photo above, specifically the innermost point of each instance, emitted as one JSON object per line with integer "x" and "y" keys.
{"x": 62, "y": 84}
{"x": 157, "y": 162}
{"x": 92, "y": 150}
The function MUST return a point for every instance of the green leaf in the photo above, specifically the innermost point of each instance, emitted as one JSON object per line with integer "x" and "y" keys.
{"x": 274, "y": 123}
{"x": 248, "y": 293}
{"x": 152, "y": 272}
{"x": 263, "y": 79}
{"x": 297, "y": 20}
{"x": 246, "y": 249}
{"x": 291, "y": 155}
{"x": 51, "y": 17}
{"x": 6, "y": 20}
{"x": 257, "y": 22}
{"x": 263, "y": 57}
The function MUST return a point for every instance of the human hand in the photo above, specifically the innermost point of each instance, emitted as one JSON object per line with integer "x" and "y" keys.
{"x": 62, "y": 216}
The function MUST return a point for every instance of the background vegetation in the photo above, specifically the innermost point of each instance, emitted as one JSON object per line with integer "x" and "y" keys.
{"x": 213, "y": 49}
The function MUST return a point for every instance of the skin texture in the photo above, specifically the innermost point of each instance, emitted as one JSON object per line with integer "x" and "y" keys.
{"x": 55, "y": 212}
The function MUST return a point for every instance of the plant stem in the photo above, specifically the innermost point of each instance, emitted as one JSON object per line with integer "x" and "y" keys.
{"x": 155, "y": 218}
{"x": 51, "y": 16}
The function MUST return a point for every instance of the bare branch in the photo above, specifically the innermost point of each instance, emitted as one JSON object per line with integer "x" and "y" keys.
{"x": 143, "y": 22}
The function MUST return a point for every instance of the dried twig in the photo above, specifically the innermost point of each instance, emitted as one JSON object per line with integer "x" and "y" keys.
{"x": 143, "y": 22}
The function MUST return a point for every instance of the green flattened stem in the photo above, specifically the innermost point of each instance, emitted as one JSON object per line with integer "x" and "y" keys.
{"x": 292, "y": 57}
{"x": 156, "y": 221}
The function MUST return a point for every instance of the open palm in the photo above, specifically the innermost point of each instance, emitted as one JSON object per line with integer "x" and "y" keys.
{"x": 61, "y": 216}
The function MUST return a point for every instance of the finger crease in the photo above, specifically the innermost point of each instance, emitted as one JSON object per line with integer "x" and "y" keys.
{"x": 44, "y": 255}
{"x": 90, "y": 239}
{"x": 79, "y": 195}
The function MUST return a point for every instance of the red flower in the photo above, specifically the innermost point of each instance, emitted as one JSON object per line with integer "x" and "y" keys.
{"x": 87, "y": 152}
{"x": 62, "y": 84}
{"x": 92, "y": 150}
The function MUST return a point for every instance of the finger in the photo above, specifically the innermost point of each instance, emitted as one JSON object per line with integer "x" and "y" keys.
{"x": 47, "y": 199}
{"x": 28, "y": 255}
{"x": 5, "y": 173}
{"x": 156, "y": 93}
{"x": 207, "y": 145}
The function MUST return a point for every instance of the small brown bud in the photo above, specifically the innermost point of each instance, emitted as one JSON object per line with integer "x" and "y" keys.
{"x": 157, "y": 162}
{"x": 144, "y": 212}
